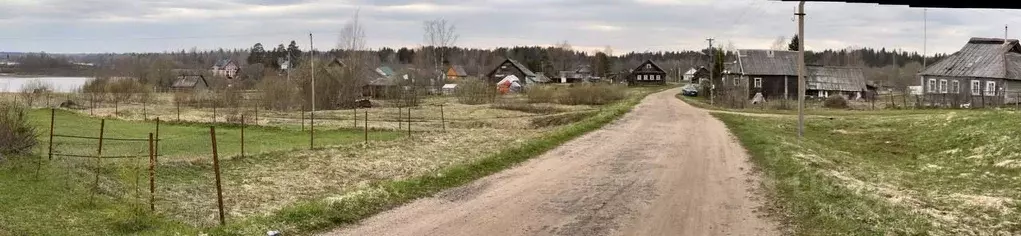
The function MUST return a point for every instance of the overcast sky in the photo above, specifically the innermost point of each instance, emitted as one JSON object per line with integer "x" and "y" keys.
{"x": 624, "y": 25}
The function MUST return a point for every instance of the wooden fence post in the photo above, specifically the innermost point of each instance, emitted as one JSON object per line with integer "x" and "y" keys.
{"x": 152, "y": 175}
{"x": 302, "y": 117}
{"x": 216, "y": 170}
{"x": 312, "y": 129}
{"x": 52, "y": 116}
{"x": 178, "y": 109}
{"x": 214, "y": 113}
{"x": 99, "y": 155}
{"x": 92, "y": 104}
{"x": 356, "y": 115}
{"x": 145, "y": 114}
{"x": 400, "y": 116}
{"x": 443, "y": 122}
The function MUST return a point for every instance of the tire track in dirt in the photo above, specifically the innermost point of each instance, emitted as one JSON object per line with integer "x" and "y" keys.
{"x": 665, "y": 168}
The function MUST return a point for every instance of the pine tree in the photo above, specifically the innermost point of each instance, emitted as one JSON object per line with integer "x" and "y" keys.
{"x": 293, "y": 54}
{"x": 257, "y": 54}
{"x": 794, "y": 44}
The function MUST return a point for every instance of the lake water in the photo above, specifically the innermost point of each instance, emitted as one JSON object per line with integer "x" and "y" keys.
{"x": 12, "y": 84}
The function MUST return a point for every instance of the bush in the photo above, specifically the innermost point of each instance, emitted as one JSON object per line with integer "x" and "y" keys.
{"x": 593, "y": 94}
{"x": 541, "y": 94}
{"x": 474, "y": 91}
{"x": 526, "y": 107}
{"x": 122, "y": 90}
{"x": 17, "y": 137}
{"x": 279, "y": 94}
{"x": 34, "y": 90}
{"x": 836, "y": 102}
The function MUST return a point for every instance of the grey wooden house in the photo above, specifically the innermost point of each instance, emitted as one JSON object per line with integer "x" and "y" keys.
{"x": 513, "y": 67}
{"x": 985, "y": 72}
{"x": 647, "y": 73}
{"x": 774, "y": 73}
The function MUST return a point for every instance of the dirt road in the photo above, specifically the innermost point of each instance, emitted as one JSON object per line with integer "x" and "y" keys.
{"x": 666, "y": 168}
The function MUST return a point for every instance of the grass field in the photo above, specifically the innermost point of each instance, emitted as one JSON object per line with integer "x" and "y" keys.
{"x": 811, "y": 108}
{"x": 947, "y": 173}
{"x": 280, "y": 184}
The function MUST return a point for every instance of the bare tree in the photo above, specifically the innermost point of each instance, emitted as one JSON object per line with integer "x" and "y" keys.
{"x": 563, "y": 55}
{"x": 440, "y": 35}
{"x": 352, "y": 36}
{"x": 779, "y": 44}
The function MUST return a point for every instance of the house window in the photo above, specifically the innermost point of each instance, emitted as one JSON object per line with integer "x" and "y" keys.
{"x": 758, "y": 82}
{"x": 976, "y": 87}
{"x": 990, "y": 88}
{"x": 932, "y": 86}
{"x": 658, "y": 77}
{"x": 955, "y": 86}
{"x": 943, "y": 86}
{"x": 735, "y": 81}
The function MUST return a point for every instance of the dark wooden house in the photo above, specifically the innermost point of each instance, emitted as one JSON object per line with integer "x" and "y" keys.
{"x": 985, "y": 72}
{"x": 773, "y": 73}
{"x": 648, "y": 73}
{"x": 513, "y": 67}
{"x": 825, "y": 81}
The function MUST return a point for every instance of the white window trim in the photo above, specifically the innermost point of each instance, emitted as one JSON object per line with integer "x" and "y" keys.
{"x": 990, "y": 88}
{"x": 976, "y": 87}
{"x": 956, "y": 87}
{"x": 932, "y": 86}
{"x": 758, "y": 82}
{"x": 943, "y": 86}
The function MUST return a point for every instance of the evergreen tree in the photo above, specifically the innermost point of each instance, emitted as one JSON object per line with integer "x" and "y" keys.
{"x": 794, "y": 44}
{"x": 257, "y": 54}
{"x": 293, "y": 53}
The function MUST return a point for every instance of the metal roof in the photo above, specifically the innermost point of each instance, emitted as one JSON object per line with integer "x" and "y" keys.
{"x": 223, "y": 63}
{"x": 930, "y": 4}
{"x": 981, "y": 57}
{"x": 831, "y": 78}
{"x": 768, "y": 62}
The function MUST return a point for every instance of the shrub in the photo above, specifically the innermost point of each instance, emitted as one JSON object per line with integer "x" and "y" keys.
{"x": 593, "y": 94}
{"x": 526, "y": 107}
{"x": 34, "y": 90}
{"x": 16, "y": 135}
{"x": 474, "y": 91}
{"x": 279, "y": 94}
{"x": 836, "y": 102}
{"x": 562, "y": 119}
{"x": 541, "y": 94}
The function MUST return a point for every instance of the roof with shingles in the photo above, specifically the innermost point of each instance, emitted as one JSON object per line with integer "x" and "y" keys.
{"x": 524, "y": 69}
{"x": 189, "y": 81}
{"x": 223, "y": 63}
{"x": 981, "y": 57}
{"x": 832, "y": 78}
{"x": 768, "y": 62}
{"x": 459, "y": 70}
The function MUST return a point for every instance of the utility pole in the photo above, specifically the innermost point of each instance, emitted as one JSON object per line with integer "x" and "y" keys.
{"x": 801, "y": 69}
{"x": 712, "y": 83}
{"x": 312, "y": 63}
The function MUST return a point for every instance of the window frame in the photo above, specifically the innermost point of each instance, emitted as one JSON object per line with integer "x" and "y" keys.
{"x": 976, "y": 87}
{"x": 931, "y": 86}
{"x": 943, "y": 84}
{"x": 990, "y": 88}
{"x": 758, "y": 82}
{"x": 955, "y": 86}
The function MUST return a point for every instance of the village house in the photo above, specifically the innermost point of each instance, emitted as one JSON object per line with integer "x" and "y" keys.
{"x": 774, "y": 73}
{"x": 456, "y": 72}
{"x": 648, "y": 73}
{"x": 581, "y": 74}
{"x": 190, "y": 83}
{"x": 985, "y": 72}
{"x": 226, "y": 68}
{"x": 695, "y": 74}
{"x": 513, "y": 67}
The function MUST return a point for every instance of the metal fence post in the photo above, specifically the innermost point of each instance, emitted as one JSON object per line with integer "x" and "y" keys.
{"x": 443, "y": 122}
{"x": 152, "y": 175}
{"x": 366, "y": 125}
{"x": 52, "y": 116}
{"x": 242, "y": 135}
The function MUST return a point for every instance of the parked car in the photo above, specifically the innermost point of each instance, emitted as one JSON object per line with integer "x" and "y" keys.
{"x": 689, "y": 90}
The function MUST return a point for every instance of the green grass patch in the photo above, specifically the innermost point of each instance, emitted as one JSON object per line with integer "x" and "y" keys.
{"x": 954, "y": 173}
{"x": 182, "y": 140}
{"x": 811, "y": 108}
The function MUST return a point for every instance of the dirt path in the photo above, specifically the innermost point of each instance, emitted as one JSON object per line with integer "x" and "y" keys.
{"x": 666, "y": 168}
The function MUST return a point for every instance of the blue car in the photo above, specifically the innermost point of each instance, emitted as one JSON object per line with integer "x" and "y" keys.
{"x": 689, "y": 90}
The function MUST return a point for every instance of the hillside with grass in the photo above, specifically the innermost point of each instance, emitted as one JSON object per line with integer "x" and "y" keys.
{"x": 948, "y": 173}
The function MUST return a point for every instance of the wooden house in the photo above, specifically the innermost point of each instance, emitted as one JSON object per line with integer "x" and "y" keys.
{"x": 825, "y": 81}
{"x": 773, "y": 73}
{"x": 985, "y": 72}
{"x": 513, "y": 67}
{"x": 648, "y": 73}
{"x": 456, "y": 72}
{"x": 190, "y": 83}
